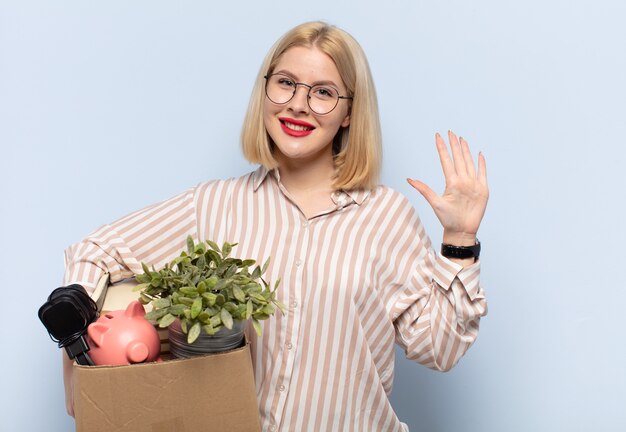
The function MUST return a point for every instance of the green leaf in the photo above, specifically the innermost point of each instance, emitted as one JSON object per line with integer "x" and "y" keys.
{"x": 257, "y": 327}
{"x": 204, "y": 317}
{"x": 200, "y": 249}
{"x": 260, "y": 316}
{"x": 230, "y": 307}
{"x": 248, "y": 262}
{"x": 227, "y": 319}
{"x": 186, "y": 301}
{"x": 166, "y": 320}
{"x": 281, "y": 306}
{"x": 220, "y": 300}
{"x": 214, "y": 246}
{"x": 239, "y": 294}
{"x": 256, "y": 273}
{"x": 210, "y": 298}
{"x": 189, "y": 291}
{"x": 231, "y": 271}
{"x": 177, "y": 309}
{"x": 196, "y": 307}
{"x": 201, "y": 288}
{"x": 194, "y": 332}
{"x": 161, "y": 303}
{"x": 211, "y": 282}
{"x": 201, "y": 263}
{"x": 208, "y": 329}
{"x": 142, "y": 278}
{"x": 265, "y": 266}
{"x": 144, "y": 299}
{"x": 240, "y": 312}
{"x": 258, "y": 298}
{"x": 249, "y": 307}
{"x": 226, "y": 249}
{"x": 145, "y": 268}
{"x": 190, "y": 245}
{"x": 214, "y": 257}
{"x": 155, "y": 314}
{"x": 215, "y": 321}
{"x": 183, "y": 325}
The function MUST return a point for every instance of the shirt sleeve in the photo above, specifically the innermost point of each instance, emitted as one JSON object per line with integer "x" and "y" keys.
{"x": 434, "y": 303}
{"x": 153, "y": 235}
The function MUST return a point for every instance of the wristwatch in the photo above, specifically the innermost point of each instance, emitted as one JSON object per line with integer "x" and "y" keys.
{"x": 461, "y": 252}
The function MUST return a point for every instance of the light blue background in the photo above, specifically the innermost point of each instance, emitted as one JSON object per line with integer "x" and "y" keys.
{"x": 106, "y": 107}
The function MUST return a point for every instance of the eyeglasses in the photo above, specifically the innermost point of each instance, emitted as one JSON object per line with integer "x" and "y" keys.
{"x": 321, "y": 98}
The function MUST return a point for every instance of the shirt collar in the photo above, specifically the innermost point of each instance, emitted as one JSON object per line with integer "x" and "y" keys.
{"x": 340, "y": 197}
{"x": 259, "y": 176}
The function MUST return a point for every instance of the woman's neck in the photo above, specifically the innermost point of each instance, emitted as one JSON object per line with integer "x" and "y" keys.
{"x": 309, "y": 184}
{"x": 307, "y": 176}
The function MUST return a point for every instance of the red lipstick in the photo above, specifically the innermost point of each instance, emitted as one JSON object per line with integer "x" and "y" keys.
{"x": 303, "y": 128}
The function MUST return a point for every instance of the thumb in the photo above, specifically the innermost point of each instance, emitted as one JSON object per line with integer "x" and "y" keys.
{"x": 426, "y": 192}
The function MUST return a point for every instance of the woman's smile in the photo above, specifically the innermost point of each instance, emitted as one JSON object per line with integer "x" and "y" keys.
{"x": 296, "y": 128}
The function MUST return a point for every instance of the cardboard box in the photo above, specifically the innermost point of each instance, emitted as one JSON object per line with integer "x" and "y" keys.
{"x": 209, "y": 393}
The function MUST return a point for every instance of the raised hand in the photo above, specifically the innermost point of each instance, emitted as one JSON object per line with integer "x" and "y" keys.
{"x": 461, "y": 207}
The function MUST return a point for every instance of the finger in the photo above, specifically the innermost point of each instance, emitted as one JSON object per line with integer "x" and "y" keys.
{"x": 426, "y": 192}
{"x": 457, "y": 154}
{"x": 482, "y": 169}
{"x": 467, "y": 156}
{"x": 444, "y": 157}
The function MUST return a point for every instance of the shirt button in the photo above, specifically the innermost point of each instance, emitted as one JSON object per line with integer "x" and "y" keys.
{"x": 305, "y": 224}
{"x": 298, "y": 262}
{"x": 289, "y": 345}
{"x": 294, "y": 304}
{"x": 281, "y": 388}
{"x": 273, "y": 428}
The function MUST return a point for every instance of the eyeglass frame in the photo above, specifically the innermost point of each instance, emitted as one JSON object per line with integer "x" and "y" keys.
{"x": 308, "y": 95}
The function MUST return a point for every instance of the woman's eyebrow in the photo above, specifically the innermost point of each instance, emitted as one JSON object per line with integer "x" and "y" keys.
{"x": 292, "y": 75}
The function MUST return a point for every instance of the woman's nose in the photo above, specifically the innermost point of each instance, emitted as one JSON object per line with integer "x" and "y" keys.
{"x": 300, "y": 100}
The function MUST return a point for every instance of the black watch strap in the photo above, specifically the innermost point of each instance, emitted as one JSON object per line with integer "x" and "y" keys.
{"x": 461, "y": 252}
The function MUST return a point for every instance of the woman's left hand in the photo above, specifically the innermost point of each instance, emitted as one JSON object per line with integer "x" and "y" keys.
{"x": 461, "y": 207}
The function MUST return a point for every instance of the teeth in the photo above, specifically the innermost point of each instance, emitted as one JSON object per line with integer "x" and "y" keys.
{"x": 297, "y": 127}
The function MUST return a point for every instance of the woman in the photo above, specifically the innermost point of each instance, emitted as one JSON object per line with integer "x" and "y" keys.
{"x": 358, "y": 271}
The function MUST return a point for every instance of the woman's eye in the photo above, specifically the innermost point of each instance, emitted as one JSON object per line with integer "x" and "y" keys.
{"x": 285, "y": 82}
{"x": 324, "y": 92}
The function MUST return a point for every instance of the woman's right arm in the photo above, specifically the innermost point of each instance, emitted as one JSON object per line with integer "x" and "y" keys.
{"x": 154, "y": 235}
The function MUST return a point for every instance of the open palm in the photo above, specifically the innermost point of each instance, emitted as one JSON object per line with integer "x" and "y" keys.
{"x": 461, "y": 207}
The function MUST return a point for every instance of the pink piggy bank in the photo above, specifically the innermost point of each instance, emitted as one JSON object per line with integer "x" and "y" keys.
{"x": 123, "y": 337}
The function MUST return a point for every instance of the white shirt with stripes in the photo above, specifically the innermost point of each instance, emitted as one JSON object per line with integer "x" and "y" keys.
{"x": 355, "y": 278}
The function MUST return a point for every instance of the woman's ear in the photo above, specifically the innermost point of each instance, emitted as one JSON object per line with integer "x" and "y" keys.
{"x": 346, "y": 120}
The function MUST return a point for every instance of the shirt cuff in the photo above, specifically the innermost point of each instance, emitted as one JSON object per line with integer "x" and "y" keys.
{"x": 445, "y": 271}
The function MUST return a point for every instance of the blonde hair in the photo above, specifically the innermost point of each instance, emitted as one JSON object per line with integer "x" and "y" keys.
{"x": 357, "y": 148}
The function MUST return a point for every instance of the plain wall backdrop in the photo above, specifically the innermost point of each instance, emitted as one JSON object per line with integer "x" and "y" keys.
{"x": 106, "y": 107}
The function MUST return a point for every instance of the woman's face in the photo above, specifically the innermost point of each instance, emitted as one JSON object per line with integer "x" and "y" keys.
{"x": 299, "y": 134}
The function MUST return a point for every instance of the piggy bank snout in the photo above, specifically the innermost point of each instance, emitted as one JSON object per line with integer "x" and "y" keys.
{"x": 137, "y": 352}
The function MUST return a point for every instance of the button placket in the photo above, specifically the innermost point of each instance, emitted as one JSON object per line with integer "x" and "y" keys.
{"x": 303, "y": 233}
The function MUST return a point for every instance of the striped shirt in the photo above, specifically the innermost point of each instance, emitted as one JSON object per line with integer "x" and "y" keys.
{"x": 355, "y": 278}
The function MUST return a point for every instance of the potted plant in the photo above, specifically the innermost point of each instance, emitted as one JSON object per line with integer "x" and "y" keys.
{"x": 205, "y": 292}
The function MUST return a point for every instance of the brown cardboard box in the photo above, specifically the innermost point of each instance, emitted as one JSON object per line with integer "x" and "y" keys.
{"x": 210, "y": 393}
